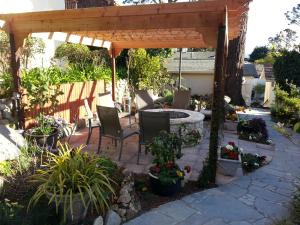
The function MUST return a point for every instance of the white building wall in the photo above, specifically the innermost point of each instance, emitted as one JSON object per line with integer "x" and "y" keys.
{"x": 200, "y": 84}
{"x": 18, "y": 6}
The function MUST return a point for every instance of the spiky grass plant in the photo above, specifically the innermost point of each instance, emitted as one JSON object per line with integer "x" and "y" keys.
{"x": 70, "y": 175}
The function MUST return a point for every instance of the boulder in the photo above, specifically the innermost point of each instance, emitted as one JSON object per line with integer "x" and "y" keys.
{"x": 10, "y": 143}
{"x": 98, "y": 221}
{"x": 112, "y": 218}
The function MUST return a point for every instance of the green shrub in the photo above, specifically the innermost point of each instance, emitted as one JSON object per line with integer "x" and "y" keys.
{"x": 287, "y": 105}
{"x": 6, "y": 85}
{"x": 297, "y": 127}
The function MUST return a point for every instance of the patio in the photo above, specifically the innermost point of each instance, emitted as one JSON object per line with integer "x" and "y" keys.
{"x": 193, "y": 156}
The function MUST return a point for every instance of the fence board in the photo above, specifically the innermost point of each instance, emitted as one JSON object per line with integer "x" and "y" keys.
{"x": 71, "y": 102}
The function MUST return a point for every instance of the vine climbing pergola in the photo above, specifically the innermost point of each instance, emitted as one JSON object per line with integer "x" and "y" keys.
{"x": 201, "y": 24}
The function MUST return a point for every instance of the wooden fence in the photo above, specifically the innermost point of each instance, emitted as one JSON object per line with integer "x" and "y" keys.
{"x": 71, "y": 102}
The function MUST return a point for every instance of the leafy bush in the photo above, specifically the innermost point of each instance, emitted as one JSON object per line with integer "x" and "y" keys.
{"x": 287, "y": 105}
{"x": 147, "y": 72}
{"x": 72, "y": 173}
{"x": 297, "y": 127}
{"x": 287, "y": 68}
{"x": 6, "y": 85}
{"x": 259, "y": 53}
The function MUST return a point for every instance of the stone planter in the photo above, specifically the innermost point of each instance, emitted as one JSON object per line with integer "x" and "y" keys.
{"x": 230, "y": 126}
{"x": 164, "y": 190}
{"x": 265, "y": 146}
{"x": 228, "y": 167}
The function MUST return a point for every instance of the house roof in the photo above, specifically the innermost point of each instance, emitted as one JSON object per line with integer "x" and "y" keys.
{"x": 249, "y": 70}
{"x": 269, "y": 75}
{"x": 192, "y": 62}
{"x": 202, "y": 62}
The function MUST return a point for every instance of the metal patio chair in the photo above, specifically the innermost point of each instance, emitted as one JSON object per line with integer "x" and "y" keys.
{"x": 111, "y": 127}
{"x": 92, "y": 121}
{"x": 151, "y": 123}
{"x": 181, "y": 99}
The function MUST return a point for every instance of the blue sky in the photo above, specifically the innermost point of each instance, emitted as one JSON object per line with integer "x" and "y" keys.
{"x": 266, "y": 19}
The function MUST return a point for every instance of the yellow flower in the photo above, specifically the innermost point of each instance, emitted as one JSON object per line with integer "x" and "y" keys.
{"x": 179, "y": 173}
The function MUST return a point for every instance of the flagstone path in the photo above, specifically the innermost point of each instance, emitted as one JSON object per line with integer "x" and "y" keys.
{"x": 259, "y": 198}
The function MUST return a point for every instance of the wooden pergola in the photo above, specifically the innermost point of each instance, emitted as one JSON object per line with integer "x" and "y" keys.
{"x": 202, "y": 24}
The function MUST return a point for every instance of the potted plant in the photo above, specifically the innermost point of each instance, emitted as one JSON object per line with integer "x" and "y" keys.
{"x": 165, "y": 175}
{"x": 46, "y": 131}
{"x": 229, "y": 159}
{"x": 73, "y": 181}
{"x": 231, "y": 121}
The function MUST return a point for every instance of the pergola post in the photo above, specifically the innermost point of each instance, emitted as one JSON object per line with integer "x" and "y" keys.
{"x": 15, "y": 65}
{"x": 218, "y": 100}
{"x": 113, "y": 74}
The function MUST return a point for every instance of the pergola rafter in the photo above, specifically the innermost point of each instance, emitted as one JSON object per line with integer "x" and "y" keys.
{"x": 178, "y": 25}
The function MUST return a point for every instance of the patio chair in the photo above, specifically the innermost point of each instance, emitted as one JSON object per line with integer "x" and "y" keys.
{"x": 143, "y": 100}
{"x": 91, "y": 120}
{"x": 181, "y": 99}
{"x": 151, "y": 123}
{"x": 111, "y": 127}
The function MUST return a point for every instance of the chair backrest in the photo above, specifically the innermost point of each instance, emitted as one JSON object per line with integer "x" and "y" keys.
{"x": 151, "y": 123}
{"x": 181, "y": 99}
{"x": 109, "y": 119}
{"x": 105, "y": 99}
{"x": 88, "y": 110}
{"x": 144, "y": 100}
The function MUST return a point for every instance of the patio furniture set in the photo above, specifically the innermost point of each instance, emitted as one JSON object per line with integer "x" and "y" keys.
{"x": 150, "y": 116}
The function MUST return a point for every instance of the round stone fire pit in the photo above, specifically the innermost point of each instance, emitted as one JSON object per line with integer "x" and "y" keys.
{"x": 191, "y": 119}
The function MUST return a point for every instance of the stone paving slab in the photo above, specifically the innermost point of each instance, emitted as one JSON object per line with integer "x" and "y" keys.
{"x": 259, "y": 198}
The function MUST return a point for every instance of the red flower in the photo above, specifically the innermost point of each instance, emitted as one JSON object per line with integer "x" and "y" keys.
{"x": 231, "y": 143}
{"x": 155, "y": 169}
{"x": 170, "y": 165}
{"x": 188, "y": 168}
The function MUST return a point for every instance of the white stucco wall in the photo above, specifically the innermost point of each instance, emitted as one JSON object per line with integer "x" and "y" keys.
{"x": 200, "y": 84}
{"x": 18, "y": 6}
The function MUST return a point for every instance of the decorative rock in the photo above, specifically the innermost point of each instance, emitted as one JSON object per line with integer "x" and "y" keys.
{"x": 124, "y": 198}
{"x": 112, "y": 218}
{"x": 128, "y": 203}
{"x": 98, "y": 221}
{"x": 10, "y": 142}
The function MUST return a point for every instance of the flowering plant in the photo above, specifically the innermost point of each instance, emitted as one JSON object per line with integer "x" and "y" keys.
{"x": 166, "y": 148}
{"x": 46, "y": 125}
{"x": 232, "y": 116}
{"x": 253, "y": 130}
{"x": 230, "y": 151}
{"x": 252, "y": 162}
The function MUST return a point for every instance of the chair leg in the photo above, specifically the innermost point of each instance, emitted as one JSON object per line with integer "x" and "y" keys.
{"x": 89, "y": 135}
{"x": 99, "y": 145}
{"x": 121, "y": 149}
{"x": 139, "y": 152}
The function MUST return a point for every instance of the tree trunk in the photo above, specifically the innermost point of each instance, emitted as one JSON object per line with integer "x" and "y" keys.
{"x": 235, "y": 62}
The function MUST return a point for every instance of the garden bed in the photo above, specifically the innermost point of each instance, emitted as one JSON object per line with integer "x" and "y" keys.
{"x": 150, "y": 200}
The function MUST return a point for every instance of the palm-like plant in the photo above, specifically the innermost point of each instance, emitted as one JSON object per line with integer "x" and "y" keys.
{"x": 71, "y": 176}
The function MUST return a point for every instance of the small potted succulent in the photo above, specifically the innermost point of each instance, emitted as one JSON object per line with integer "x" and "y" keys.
{"x": 165, "y": 175}
{"x": 229, "y": 159}
{"x": 46, "y": 131}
